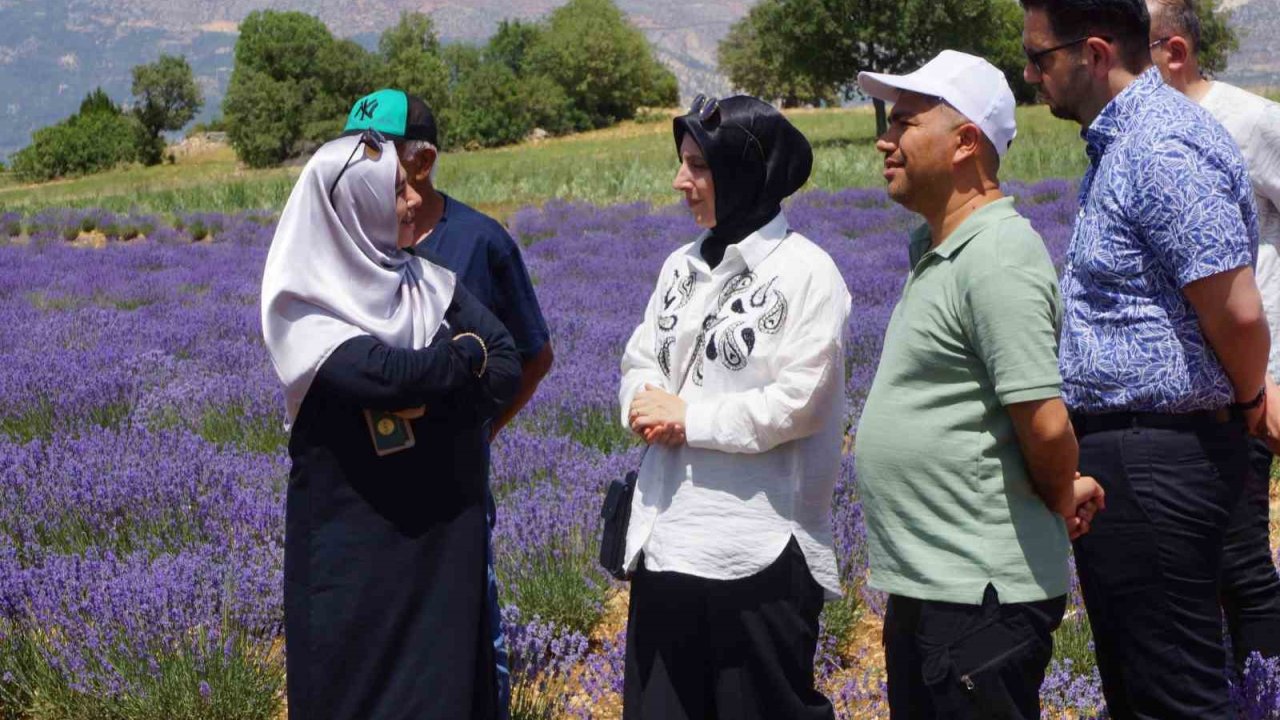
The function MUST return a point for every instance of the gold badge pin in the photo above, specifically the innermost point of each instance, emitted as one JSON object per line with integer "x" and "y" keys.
{"x": 386, "y": 426}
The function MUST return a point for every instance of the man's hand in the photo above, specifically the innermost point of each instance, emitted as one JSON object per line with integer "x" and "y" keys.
{"x": 1088, "y": 498}
{"x": 658, "y": 416}
{"x": 1268, "y": 428}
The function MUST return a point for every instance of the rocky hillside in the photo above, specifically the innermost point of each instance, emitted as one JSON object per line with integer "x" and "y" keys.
{"x": 52, "y": 52}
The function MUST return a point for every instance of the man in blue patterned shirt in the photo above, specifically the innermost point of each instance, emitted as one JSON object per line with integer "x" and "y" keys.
{"x": 1163, "y": 354}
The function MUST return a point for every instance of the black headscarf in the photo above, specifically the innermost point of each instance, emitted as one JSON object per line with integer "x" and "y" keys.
{"x": 757, "y": 158}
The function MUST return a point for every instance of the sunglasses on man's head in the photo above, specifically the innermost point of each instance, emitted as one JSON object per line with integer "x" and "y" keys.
{"x": 371, "y": 139}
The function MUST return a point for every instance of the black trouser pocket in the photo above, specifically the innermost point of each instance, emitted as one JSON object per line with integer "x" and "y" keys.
{"x": 993, "y": 671}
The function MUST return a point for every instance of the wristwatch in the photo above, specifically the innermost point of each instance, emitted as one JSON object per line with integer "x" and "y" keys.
{"x": 1252, "y": 404}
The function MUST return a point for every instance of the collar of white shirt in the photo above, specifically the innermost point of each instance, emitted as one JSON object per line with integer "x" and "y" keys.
{"x": 748, "y": 252}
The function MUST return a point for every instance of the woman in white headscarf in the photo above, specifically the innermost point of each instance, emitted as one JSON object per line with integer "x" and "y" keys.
{"x": 390, "y": 369}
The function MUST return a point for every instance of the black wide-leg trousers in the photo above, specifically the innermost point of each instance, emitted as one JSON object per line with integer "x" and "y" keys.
{"x": 741, "y": 649}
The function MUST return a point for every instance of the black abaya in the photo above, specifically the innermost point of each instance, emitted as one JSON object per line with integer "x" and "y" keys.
{"x": 385, "y": 572}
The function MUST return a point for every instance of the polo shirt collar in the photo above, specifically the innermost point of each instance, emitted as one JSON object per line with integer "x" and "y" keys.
{"x": 978, "y": 221}
{"x": 748, "y": 252}
{"x": 1116, "y": 115}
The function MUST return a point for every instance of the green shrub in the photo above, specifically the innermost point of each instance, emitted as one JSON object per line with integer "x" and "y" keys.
{"x": 603, "y": 62}
{"x": 80, "y": 145}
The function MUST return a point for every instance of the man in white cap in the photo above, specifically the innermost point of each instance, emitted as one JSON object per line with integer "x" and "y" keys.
{"x": 965, "y": 454}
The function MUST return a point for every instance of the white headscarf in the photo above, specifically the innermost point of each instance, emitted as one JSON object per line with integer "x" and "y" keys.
{"x": 334, "y": 271}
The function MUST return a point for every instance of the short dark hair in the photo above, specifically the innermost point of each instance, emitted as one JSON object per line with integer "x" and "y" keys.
{"x": 1126, "y": 22}
{"x": 1178, "y": 17}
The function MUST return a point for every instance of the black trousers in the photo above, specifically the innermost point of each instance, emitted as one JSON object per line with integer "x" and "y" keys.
{"x": 1150, "y": 566}
{"x": 732, "y": 649}
{"x": 951, "y": 661}
{"x": 1250, "y": 584}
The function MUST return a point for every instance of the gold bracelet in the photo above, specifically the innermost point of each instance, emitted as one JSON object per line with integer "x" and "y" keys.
{"x": 484, "y": 363}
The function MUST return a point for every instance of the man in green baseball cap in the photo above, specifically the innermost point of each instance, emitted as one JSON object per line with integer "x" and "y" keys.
{"x": 484, "y": 256}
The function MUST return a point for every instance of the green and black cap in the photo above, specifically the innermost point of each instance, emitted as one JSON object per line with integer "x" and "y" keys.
{"x": 394, "y": 113}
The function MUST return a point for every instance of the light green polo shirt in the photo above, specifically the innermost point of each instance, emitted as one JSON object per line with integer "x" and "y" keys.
{"x": 946, "y": 494}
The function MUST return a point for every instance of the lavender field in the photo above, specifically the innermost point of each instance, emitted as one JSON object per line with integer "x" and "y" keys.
{"x": 143, "y": 464}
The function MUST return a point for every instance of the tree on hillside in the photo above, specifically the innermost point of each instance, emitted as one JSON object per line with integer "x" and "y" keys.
{"x": 511, "y": 42}
{"x": 292, "y": 85}
{"x": 755, "y": 61}
{"x": 96, "y": 138}
{"x": 1218, "y": 39}
{"x": 604, "y": 63}
{"x": 830, "y": 41}
{"x": 494, "y": 105}
{"x": 264, "y": 117}
{"x": 166, "y": 98}
{"x": 98, "y": 101}
{"x": 410, "y": 51}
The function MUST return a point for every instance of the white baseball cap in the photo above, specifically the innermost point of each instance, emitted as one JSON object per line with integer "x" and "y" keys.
{"x": 968, "y": 83}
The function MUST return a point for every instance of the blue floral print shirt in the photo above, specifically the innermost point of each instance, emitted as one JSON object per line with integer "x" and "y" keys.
{"x": 1166, "y": 201}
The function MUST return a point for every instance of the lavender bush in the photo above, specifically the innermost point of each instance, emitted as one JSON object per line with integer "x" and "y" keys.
{"x": 143, "y": 463}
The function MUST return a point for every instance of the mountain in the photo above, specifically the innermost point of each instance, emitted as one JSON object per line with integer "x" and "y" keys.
{"x": 53, "y": 52}
{"x": 1257, "y": 63}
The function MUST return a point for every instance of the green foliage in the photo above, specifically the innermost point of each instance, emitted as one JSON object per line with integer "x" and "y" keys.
{"x": 510, "y": 44}
{"x": 83, "y": 143}
{"x": 414, "y": 33}
{"x": 292, "y": 83}
{"x": 215, "y": 125}
{"x": 1073, "y": 640}
{"x": 232, "y": 425}
{"x": 754, "y": 58}
{"x": 410, "y": 53}
{"x": 227, "y": 675}
{"x": 283, "y": 45}
{"x": 264, "y": 117}
{"x": 1217, "y": 37}
{"x": 604, "y": 63}
{"x": 493, "y": 106}
{"x": 553, "y": 587}
{"x": 598, "y": 430}
{"x": 805, "y": 49}
{"x": 98, "y": 101}
{"x": 167, "y": 98}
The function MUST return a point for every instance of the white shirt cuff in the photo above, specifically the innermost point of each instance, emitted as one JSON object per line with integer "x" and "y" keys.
{"x": 698, "y": 428}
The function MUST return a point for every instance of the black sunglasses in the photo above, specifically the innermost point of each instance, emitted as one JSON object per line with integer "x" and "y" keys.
{"x": 1034, "y": 57}
{"x": 704, "y": 107}
{"x": 371, "y": 139}
{"x": 708, "y": 108}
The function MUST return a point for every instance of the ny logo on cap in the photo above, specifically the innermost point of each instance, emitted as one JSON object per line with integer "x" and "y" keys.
{"x": 367, "y": 109}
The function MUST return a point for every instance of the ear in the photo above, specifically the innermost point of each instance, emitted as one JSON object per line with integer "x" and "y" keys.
{"x": 968, "y": 141}
{"x": 1179, "y": 53}
{"x": 1100, "y": 56}
{"x": 423, "y": 164}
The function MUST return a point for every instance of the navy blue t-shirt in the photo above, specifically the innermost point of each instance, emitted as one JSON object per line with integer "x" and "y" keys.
{"x": 488, "y": 263}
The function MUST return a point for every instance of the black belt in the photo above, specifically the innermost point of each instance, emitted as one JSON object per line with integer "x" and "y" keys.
{"x": 1085, "y": 424}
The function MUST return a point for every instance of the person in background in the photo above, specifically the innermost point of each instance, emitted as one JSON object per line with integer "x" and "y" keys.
{"x": 1250, "y": 585}
{"x": 1163, "y": 353}
{"x": 390, "y": 371}
{"x": 488, "y": 263}
{"x": 966, "y": 458}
